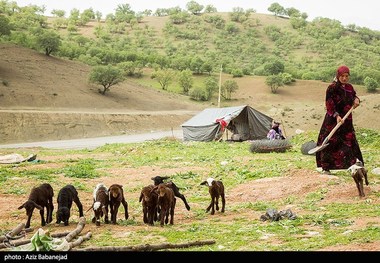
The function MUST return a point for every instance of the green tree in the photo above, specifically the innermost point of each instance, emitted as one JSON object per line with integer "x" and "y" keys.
{"x": 164, "y": 77}
{"x": 210, "y": 9}
{"x": 194, "y": 8}
{"x": 211, "y": 85}
{"x": 107, "y": 76}
{"x": 274, "y": 82}
{"x": 371, "y": 84}
{"x": 277, "y": 9}
{"x": 5, "y": 27}
{"x": 186, "y": 80}
{"x": 229, "y": 87}
{"x": 274, "y": 67}
{"x": 58, "y": 12}
{"x": 50, "y": 41}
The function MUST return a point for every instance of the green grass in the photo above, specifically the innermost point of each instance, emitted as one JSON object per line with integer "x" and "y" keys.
{"x": 320, "y": 225}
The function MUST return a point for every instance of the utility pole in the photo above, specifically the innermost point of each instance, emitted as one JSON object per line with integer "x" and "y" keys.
{"x": 220, "y": 84}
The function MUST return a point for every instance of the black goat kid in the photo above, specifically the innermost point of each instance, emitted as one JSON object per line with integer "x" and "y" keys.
{"x": 66, "y": 196}
{"x": 159, "y": 180}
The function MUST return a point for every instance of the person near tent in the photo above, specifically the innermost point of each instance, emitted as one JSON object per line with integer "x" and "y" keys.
{"x": 275, "y": 132}
{"x": 343, "y": 148}
{"x": 223, "y": 123}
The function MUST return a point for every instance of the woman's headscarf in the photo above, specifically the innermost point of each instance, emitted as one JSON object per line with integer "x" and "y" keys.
{"x": 341, "y": 70}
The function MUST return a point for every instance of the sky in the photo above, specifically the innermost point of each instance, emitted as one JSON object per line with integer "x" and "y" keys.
{"x": 362, "y": 13}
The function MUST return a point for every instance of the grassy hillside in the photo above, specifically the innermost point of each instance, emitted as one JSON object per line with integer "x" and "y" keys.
{"x": 33, "y": 83}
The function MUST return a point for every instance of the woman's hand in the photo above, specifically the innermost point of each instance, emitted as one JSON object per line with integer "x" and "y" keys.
{"x": 338, "y": 119}
{"x": 356, "y": 102}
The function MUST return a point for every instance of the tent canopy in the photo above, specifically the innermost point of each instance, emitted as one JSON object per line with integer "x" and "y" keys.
{"x": 209, "y": 124}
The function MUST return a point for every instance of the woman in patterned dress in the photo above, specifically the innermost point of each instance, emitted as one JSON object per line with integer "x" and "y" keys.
{"x": 343, "y": 148}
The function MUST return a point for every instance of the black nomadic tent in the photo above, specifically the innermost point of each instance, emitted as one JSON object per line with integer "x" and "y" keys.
{"x": 209, "y": 124}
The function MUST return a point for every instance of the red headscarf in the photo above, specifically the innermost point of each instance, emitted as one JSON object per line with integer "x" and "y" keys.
{"x": 341, "y": 70}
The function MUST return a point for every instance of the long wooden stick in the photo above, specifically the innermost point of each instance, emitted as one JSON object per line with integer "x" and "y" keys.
{"x": 148, "y": 247}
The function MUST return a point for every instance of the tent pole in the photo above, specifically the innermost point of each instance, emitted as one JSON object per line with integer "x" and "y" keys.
{"x": 220, "y": 84}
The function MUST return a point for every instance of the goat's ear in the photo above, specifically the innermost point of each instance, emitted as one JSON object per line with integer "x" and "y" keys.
{"x": 22, "y": 206}
{"x": 141, "y": 197}
{"x": 165, "y": 177}
{"x": 204, "y": 183}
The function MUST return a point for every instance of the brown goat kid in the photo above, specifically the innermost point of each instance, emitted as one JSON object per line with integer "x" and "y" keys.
{"x": 40, "y": 197}
{"x": 149, "y": 199}
{"x": 359, "y": 174}
{"x": 116, "y": 195}
{"x": 166, "y": 204}
{"x": 216, "y": 190}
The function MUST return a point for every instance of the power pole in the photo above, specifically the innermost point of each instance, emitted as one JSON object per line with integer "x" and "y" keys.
{"x": 220, "y": 84}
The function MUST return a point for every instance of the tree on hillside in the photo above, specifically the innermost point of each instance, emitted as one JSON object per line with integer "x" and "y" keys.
{"x": 58, "y": 12}
{"x": 164, "y": 77}
{"x": 210, "y": 9}
{"x": 106, "y": 76}
{"x": 5, "y": 27}
{"x": 194, "y": 8}
{"x": 277, "y": 9}
{"x": 50, "y": 41}
{"x": 229, "y": 87}
{"x": 274, "y": 82}
{"x": 186, "y": 80}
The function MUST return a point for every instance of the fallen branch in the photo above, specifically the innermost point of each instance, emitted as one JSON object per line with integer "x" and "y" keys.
{"x": 68, "y": 235}
{"x": 14, "y": 244}
{"x": 77, "y": 230}
{"x": 80, "y": 240}
{"x": 13, "y": 235}
{"x": 148, "y": 247}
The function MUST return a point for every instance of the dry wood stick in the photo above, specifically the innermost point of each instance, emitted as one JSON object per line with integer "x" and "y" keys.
{"x": 80, "y": 240}
{"x": 77, "y": 230}
{"x": 148, "y": 247}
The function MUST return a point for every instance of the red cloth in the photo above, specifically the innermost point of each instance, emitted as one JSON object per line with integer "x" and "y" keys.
{"x": 341, "y": 70}
{"x": 222, "y": 123}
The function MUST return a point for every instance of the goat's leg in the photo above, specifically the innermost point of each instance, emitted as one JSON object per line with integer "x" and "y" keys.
{"x": 172, "y": 212}
{"x": 49, "y": 211}
{"x": 43, "y": 222}
{"x": 357, "y": 184}
{"x": 212, "y": 206}
{"x": 114, "y": 214}
{"x": 125, "y": 204}
{"x": 365, "y": 176}
{"x": 145, "y": 215}
{"x": 79, "y": 205}
{"x": 361, "y": 188}
{"x": 177, "y": 194}
{"x": 106, "y": 220}
{"x": 209, "y": 207}
{"x": 167, "y": 215}
{"x": 27, "y": 225}
{"x": 223, "y": 202}
{"x": 217, "y": 203}
{"x": 162, "y": 216}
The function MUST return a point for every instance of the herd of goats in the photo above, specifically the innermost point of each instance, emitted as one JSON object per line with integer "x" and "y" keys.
{"x": 158, "y": 202}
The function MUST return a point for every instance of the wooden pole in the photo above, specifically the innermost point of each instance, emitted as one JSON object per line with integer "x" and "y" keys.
{"x": 220, "y": 84}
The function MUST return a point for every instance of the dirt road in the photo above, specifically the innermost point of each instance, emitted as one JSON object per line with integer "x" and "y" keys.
{"x": 91, "y": 143}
